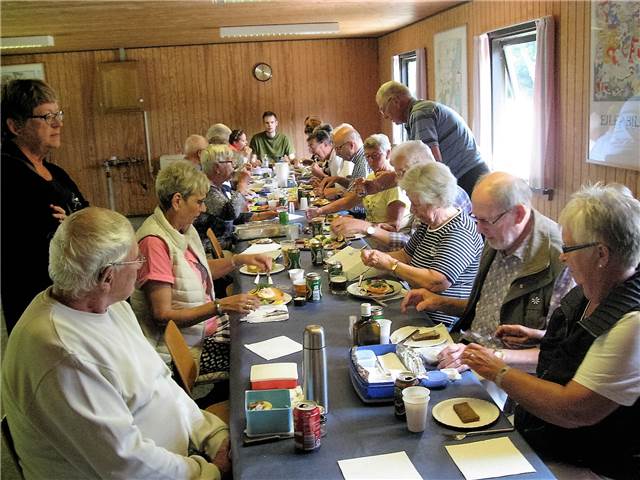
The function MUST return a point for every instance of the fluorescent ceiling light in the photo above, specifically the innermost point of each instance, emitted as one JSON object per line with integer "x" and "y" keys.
{"x": 26, "y": 42}
{"x": 273, "y": 30}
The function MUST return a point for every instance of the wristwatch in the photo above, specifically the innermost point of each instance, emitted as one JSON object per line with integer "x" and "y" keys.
{"x": 499, "y": 353}
{"x": 219, "y": 310}
{"x": 371, "y": 229}
{"x": 395, "y": 265}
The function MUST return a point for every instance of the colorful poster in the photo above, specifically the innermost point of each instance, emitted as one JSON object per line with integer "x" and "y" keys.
{"x": 450, "y": 50}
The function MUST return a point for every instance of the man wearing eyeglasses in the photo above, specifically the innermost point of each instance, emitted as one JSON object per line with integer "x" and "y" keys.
{"x": 437, "y": 125}
{"x": 520, "y": 280}
{"x": 31, "y": 128}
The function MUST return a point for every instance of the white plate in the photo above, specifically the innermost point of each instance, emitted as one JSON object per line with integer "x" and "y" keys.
{"x": 401, "y": 333}
{"x": 443, "y": 412}
{"x": 356, "y": 291}
{"x": 286, "y": 298}
{"x": 275, "y": 268}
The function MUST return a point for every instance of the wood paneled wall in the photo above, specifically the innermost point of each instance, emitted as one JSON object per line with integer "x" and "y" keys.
{"x": 572, "y": 66}
{"x": 189, "y": 88}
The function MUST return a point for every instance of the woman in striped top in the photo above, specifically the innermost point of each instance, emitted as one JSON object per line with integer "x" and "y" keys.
{"x": 444, "y": 252}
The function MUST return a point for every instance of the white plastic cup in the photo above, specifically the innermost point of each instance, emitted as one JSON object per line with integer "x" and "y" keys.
{"x": 416, "y": 403}
{"x": 385, "y": 330}
{"x": 273, "y": 204}
{"x": 304, "y": 204}
{"x": 296, "y": 274}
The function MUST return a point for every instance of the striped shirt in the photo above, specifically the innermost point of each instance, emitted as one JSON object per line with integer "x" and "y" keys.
{"x": 436, "y": 124}
{"x": 452, "y": 249}
{"x": 360, "y": 170}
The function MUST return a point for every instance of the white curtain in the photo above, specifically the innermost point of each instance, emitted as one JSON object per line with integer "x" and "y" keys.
{"x": 544, "y": 130}
{"x": 421, "y": 73}
{"x": 481, "y": 121}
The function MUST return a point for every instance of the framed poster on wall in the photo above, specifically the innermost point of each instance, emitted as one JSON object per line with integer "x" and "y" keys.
{"x": 614, "y": 96}
{"x": 25, "y": 71}
{"x": 450, "y": 51}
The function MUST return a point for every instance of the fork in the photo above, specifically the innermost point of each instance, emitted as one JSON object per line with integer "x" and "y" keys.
{"x": 462, "y": 436}
{"x": 257, "y": 279}
{"x": 269, "y": 281}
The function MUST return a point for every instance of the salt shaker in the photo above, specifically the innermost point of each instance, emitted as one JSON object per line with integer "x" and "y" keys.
{"x": 314, "y": 366}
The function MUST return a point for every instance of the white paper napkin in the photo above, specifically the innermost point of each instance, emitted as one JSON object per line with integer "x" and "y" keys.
{"x": 379, "y": 467}
{"x": 267, "y": 313}
{"x": 270, "y": 248}
{"x": 274, "y": 347}
{"x": 497, "y": 457}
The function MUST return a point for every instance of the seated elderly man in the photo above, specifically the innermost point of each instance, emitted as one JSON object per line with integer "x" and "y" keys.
{"x": 521, "y": 278}
{"x": 193, "y": 145}
{"x": 85, "y": 394}
{"x": 442, "y": 255}
{"x": 403, "y": 157}
{"x": 586, "y": 399}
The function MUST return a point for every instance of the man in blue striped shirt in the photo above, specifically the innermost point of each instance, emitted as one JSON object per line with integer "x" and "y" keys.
{"x": 438, "y": 126}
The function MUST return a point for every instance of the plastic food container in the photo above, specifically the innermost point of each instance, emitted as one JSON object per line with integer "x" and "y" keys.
{"x": 277, "y": 420}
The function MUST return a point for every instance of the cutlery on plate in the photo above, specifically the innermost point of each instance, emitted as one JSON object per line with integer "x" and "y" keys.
{"x": 269, "y": 281}
{"x": 257, "y": 279}
{"x": 417, "y": 330}
{"x": 462, "y": 436}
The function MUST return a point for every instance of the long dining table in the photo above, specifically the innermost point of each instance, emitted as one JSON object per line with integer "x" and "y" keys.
{"x": 354, "y": 428}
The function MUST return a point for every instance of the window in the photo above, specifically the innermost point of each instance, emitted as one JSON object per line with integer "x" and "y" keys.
{"x": 513, "y": 60}
{"x": 405, "y": 72}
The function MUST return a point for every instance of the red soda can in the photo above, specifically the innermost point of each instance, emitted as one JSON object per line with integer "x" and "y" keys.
{"x": 306, "y": 426}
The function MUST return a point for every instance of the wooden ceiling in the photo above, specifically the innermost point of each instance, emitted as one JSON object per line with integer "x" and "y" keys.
{"x": 99, "y": 25}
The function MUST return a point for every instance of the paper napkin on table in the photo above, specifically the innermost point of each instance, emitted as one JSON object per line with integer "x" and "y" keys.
{"x": 268, "y": 313}
{"x": 274, "y": 347}
{"x": 266, "y": 248}
{"x": 379, "y": 467}
{"x": 497, "y": 457}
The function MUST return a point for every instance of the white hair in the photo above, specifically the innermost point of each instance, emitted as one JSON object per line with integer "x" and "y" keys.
{"x": 214, "y": 154}
{"x": 378, "y": 140}
{"x": 414, "y": 152}
{"x": 179, "y": 177}
{"x": 84, "y": 244}
{"x": 606, "y": 214}
{"x": 506, "y": 191}
{"x": 389, "y": 90}
{"x": 433, "y": 183}
{"x": 218, "y": 134}
{"x": 193, "y": 143}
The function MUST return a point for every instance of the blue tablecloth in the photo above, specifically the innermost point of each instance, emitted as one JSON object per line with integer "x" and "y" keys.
{"x": 355, "y": 429}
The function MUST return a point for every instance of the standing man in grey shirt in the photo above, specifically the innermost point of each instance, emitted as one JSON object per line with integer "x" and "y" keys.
{"x": 438, "y": 126}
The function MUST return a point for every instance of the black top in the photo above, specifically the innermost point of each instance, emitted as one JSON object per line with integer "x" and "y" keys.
{"x": 27, "y": 227}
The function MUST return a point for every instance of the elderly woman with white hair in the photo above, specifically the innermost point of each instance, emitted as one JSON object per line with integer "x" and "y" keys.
{"x": 443, "y": 254}
{"x": 176, "y": 281}
{"x": 85, "y": 394}
{"x": 225, "y": 207}
{"x": 218, "y": 134}
{"x": 390, "y": 206}
{"x": 587, "y": 392}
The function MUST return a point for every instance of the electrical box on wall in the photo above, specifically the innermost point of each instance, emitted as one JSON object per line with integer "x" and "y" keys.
{"x": 120, "y": 86}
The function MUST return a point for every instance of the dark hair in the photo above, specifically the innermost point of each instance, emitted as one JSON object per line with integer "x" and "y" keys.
{"x": 269, "y": 113}
{"x": 311, "y": 123}
{"x": 235, "y": 136}
{"x": 320, "y": 135}
{"x": 20, "y": 98}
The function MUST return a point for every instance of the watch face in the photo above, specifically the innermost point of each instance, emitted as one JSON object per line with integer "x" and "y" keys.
{"x": 371, "y": 230}
{"x": 262, "y": 72}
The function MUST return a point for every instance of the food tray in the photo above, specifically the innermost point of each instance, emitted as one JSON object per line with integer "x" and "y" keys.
{"x": 253, "y": 230}
{"x": 383, "y": 392}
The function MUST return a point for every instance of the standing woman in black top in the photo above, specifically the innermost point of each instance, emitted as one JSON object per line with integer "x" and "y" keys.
{"x": 31, "y": 126}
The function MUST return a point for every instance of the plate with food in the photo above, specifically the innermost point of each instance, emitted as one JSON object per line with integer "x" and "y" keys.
{"x": 254, "y": 270}
{"x": 259, "y": 208}
{"x": 377, "y": 288}
{"x": 328, "y": 242}
{"x": 261, "y": 241}
{"x": 320, "y": 202}
{"x": 425, "y": 337}
{"x": 271, "y": 295}
{"x": 465, "y": 413}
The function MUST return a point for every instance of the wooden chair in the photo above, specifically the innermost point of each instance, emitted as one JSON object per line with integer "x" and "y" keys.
{"x": 8, "y": 442}
{"x": 217, "y": 248}
{"x": 187, "y": 369}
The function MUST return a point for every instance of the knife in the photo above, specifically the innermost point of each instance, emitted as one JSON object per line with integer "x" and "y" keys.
{"x": 248, "y": 441}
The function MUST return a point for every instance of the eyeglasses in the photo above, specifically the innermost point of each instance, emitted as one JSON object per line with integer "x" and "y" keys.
{"x": 338, "y": 147}
{"x": 383, "y": 109}
{"x": 489, "y": 222}
{"x": 373, "y": 156}
{"x": 574, "y": 248}
{"x": 138, "y": 261}
{"x": 50, "y": 117}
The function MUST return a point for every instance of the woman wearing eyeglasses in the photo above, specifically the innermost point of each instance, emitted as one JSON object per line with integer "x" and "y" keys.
{"x": 587, "y": 394}
{"x": 31, "y": 127}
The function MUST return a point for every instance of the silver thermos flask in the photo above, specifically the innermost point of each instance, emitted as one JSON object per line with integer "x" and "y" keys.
{"x": 314, "y": 366}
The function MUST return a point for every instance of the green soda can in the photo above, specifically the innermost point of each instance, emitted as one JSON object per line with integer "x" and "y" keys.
{"x": 294, "y": 258}
{"x": 283, "y": 216}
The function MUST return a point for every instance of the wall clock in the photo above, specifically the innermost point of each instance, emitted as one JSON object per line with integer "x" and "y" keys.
{"x": 262, "y": 72}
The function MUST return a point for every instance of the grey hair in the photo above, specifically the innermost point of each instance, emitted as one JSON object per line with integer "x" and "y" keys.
{"x": 84, "y": 244}
{"x": 506, "y": 190}
{"x": 606, "y": 214}
{"x": 389, "y": 90}
{"x": 218, "y": 134}
{"x": 415, "y": 152}
{"x": 214, "y": 154}
{"x": 378, "y": 140}
{"x": 193, "y": 143}
{"x": 179, "y": 177}
{"x": 433, "y": 183}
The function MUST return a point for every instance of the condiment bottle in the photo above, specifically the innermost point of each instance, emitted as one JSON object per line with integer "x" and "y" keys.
{"x": 366, "y": 330}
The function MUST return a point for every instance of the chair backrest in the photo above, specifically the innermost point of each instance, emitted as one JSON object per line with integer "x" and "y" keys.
{"x": 183, "y": 362}
{"x": 217, "y": 248}
{"x": 8, "y": 441}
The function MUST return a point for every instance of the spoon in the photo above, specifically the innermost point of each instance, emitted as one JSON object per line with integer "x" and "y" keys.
{"x": 462, "y": 436}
